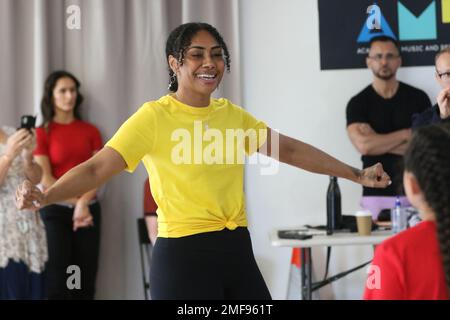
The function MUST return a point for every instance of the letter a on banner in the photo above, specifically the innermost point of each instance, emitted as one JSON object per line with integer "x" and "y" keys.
{"x": 375, "y": 25}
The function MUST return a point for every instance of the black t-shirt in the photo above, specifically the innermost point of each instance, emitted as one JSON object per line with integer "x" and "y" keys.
{"x": 428, "y": 117}
{"x": 385, "y": 116}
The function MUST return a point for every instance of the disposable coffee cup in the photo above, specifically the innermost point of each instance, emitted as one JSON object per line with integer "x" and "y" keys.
{"x": 364, "y": 222}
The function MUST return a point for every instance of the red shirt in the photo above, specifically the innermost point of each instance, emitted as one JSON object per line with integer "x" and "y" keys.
{"x": 150, "y": 205}
{"x": 410, "y": 267}
{"x": 67, "y": 145}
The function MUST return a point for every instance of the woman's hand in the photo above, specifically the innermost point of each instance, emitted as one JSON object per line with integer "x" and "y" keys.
{"x": 29, "y": 197}
{"x": 375, "y": 177}
{"x": 82, "y": 217}
{"x": 17, "y": 142}
{"x": 27, "y": 151}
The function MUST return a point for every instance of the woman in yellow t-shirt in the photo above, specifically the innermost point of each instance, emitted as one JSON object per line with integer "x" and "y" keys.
{"x": 194, "y": 147}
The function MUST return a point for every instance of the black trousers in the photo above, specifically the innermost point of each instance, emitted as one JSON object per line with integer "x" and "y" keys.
{"x": 66, "y": 248}
{"x": 214, "y": 265}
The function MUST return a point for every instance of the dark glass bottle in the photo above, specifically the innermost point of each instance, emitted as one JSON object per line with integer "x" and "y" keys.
{"x": 334, "y": 211}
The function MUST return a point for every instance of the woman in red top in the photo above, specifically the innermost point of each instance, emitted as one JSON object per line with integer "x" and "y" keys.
{"x": 415, "y": 264}
{"x": 63, "y": 142}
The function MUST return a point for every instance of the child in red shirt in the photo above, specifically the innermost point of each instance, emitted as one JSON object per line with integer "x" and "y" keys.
{"x": 415, "y": 264}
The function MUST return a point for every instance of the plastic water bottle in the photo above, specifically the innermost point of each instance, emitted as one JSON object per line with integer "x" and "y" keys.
{"x": 399, "y": 219}
{"x": 334, "y": 212}
{"x": 395, "y": 215}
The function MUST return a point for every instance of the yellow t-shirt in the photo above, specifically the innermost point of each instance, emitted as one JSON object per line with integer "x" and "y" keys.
{"x": 195, "y": 160}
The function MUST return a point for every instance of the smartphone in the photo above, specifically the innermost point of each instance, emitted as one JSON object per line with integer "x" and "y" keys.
{"x": 27, "y": 122}
{"x": 293, "y": 234}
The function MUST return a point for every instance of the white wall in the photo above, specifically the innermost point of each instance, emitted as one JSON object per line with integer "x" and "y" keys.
{"x": 283, "y": 85}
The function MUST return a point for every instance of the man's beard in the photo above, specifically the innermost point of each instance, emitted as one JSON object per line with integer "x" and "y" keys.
{"x": 385, "y": 77}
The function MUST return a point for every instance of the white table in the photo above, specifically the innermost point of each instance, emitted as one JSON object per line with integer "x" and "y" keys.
{"x": 320, "y": 239}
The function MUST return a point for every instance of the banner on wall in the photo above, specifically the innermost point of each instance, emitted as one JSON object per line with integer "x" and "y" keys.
{"x": 422, "y": 28}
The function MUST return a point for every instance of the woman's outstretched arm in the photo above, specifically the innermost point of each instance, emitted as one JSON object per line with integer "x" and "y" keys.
{"x": 86, "y": 176}
{"x": 309, "y": 158}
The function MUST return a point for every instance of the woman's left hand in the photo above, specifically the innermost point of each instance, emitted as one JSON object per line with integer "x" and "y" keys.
{"x": 375, "y": 177}
{"x": 27, "y": 151}
{"x": 29, "y": 197}
{"x": 82, "y": 217}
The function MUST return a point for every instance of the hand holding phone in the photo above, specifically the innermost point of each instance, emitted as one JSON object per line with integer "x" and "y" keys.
{"x": 27, "y": 122}
{"x": 17, "y": 142}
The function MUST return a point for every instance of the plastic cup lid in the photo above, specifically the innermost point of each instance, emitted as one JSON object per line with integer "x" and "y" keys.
{"x": 363, "y": 213}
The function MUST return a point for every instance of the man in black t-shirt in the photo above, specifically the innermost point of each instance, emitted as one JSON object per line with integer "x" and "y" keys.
{"x": 379, "y": 122}
{"x": 440, "y": 112}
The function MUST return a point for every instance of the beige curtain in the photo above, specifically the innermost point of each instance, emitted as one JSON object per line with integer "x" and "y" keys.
{"x": 118, "y": 54}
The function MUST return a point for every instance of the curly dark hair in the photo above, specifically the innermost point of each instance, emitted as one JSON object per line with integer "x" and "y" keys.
{"x": 47, "y": 107}
{"x": 428, "y": 158}
{"x": 180, "y": 38}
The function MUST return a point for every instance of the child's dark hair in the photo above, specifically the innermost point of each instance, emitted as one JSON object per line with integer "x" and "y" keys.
{"x": 180, "y": 38}
{"x": 47, "y": 107}
{"x": 428, "y": 158}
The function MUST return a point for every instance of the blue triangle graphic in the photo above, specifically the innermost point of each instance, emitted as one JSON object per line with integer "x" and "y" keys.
{"x": 366, "y": 35}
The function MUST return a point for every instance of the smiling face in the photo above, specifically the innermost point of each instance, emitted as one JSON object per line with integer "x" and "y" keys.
{"x": 202, "y": 67}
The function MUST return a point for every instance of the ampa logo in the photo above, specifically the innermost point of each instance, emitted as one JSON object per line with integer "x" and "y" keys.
{"x": 410, "y": 26}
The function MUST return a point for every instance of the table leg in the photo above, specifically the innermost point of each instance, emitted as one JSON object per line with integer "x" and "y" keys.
{"x": 306, "y": 274}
